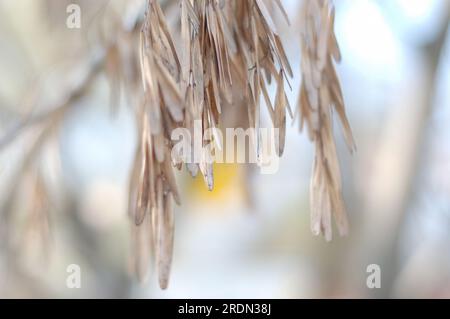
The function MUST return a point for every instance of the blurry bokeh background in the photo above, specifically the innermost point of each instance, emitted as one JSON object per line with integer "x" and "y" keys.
{"x": 64, "y": 187}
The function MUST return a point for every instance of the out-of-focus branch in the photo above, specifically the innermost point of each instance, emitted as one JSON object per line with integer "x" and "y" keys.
{"x": 93, "y": 66}
{"x": 434, "y": 53}
{"x": 395, "y": 171}
{"x": 77, "y": 90}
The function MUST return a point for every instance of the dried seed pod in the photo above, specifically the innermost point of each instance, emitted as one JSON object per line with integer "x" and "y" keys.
{"x": 142, "y": 243}
{"x": 320, "y": 93}
{"x": 165, "y": 236}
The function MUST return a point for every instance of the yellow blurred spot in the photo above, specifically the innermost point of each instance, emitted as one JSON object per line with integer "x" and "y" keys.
{"x": 227, "y": 185}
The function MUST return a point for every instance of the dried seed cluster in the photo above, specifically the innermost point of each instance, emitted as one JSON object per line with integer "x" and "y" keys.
{"x": 153, "y": 187}
{"x": 230, "y": 52}
{"x": 320, "y": 94}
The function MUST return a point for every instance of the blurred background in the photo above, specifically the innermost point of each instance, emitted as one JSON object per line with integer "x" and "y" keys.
{"x": 67, "y": 143}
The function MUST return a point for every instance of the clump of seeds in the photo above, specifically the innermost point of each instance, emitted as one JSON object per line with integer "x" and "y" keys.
{"x": 320, "y": 95}
{"x": 232, "y": 48}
